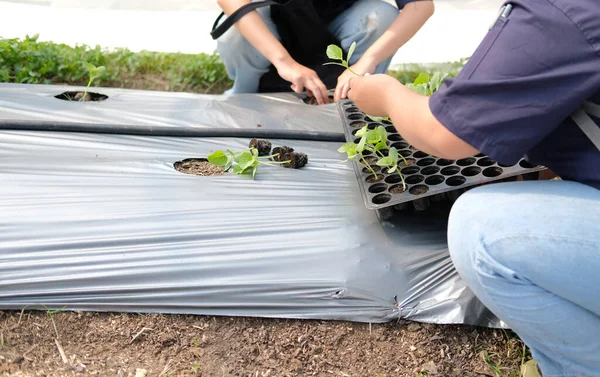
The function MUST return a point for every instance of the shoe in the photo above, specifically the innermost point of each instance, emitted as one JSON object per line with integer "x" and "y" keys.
{"x": 531, "y": 369}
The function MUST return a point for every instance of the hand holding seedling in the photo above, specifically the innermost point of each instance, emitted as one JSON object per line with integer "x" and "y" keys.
{"x": 369, "y": 93}
{"x": 358, "y": 69}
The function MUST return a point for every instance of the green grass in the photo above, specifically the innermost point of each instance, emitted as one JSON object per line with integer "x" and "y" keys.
{"x": 31, "y": 61}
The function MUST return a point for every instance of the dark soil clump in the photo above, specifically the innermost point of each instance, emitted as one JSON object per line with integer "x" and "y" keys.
{"x": 263, "y": 146}
{"x": 198, "y": 166}
{"x": 295, "y": 160}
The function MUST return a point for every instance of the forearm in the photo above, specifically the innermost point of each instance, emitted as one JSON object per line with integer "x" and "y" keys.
{"x": 405, "y": 26}
{"x": 412, "y": 117}
{"x": 253, "y": 28}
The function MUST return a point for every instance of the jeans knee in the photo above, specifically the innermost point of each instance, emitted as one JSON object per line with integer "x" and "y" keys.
{"x": 378, "y": 18}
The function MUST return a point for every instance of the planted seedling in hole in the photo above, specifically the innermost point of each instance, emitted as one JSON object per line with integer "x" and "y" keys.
{"x": 94, "y": 73}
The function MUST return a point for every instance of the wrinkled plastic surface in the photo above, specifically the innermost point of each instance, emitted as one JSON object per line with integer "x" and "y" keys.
{"x": 105, "y": 223}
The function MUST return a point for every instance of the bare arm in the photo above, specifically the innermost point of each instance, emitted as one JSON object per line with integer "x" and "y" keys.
{"x": 382, "y": 95}
{"x": 253, "y": 28}
{"x": 405, "y": 26}
{"x": 410, "y": 20}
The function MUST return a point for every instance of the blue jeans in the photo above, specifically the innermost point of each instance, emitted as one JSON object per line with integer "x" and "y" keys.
{"x": 364, "y": 22}
{"x": 530, "y": 251}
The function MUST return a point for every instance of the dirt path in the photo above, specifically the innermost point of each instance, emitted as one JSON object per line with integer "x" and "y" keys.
{"x": 175, "y": 345}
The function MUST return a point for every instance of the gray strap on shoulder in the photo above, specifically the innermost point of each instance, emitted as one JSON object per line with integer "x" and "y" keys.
{"x": 587, "y": 124}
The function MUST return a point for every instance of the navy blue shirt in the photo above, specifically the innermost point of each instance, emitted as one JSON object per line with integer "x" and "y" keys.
{"x": 513, "y": 97}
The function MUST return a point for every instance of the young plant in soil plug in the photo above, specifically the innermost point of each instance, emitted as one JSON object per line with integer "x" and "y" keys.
{"x": 94, "y": 73}
{"x": 373, "y": 141}
{"x": 289, "y": 158}
{"x": 263, "y": 146}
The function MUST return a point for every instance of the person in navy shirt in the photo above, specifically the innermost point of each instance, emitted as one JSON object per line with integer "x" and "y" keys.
{"x": 529, "y": 250}
{"x": 378, "y": 28}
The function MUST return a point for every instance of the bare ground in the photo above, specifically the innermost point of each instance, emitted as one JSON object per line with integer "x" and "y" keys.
{"x": 35, "y": 343}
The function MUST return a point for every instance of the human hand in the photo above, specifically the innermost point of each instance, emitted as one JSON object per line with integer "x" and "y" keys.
{"x": 370, "y": 93}
{"x": 343, "y": 82}
{"x": 302, "y": 78}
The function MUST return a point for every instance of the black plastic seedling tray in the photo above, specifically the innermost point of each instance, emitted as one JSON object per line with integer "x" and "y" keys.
{"x": 426, "y": 177}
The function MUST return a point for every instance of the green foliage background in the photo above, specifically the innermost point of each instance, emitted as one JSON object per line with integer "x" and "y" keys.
{"x": 31, "y": 61}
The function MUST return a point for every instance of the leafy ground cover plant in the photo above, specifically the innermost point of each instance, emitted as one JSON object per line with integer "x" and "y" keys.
{"x": 247, "y": 161}
{"x": 31, "y": 61}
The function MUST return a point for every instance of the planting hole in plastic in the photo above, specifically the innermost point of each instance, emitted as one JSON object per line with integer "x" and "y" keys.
{"x": 466, "y": 161}
{"x": 358, "y": 124}
{"x": 77, "y": 96}
{"x": 444, "y": 162}
{"x": 392, "y": 179}
{"x": 486, "y": 162}
{"x": 430, "y": 170}
{"x": 413, "y": 179}
{"x": 372, "y": 178}
{"x": 400, "y": 145}
{"x": 198, "y": 166}
{"x": 492, "y": 172}
{"x": 382, "y": 198}
{"x": 434, "y": 180}
{"x": 397, "y": 189}
{"x": 450, "y": 170}
{"x": 409, "y": 170}
{"x": 426, "y": 161}
{"x": 377, "y": 188}
{"x": 456, "y": 181}
{"x": 409, "y": 162}
{"x": 526, "y": 164}
{"x": 471, "y": 171}
{"x": 418, "y": 190}
{"x": 375, "y": 168}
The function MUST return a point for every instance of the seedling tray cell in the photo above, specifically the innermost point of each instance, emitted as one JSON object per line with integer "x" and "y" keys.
{"x": 425, "y": 175}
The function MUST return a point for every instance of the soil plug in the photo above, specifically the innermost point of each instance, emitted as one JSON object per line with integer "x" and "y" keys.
{"x": 263, "y": 146}
{"x": 295, "y": 160}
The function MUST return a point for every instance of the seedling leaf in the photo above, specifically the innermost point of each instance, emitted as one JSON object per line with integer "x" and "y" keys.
{"x": 218, "y": 158}
{"x": 351, "y": 51}
{"x": 423, "y": 78}
{"x": 246, "y": 160}
{"x": 362, "y": 131}
{"x": 334, "y": 52}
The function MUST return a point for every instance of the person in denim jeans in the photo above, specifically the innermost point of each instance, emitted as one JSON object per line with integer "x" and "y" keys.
{"x": 530, "y": 251}
{"x": 378, "y": 28}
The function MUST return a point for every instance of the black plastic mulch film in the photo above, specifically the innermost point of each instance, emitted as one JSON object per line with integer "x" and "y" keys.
{"x": 427, "y": 177}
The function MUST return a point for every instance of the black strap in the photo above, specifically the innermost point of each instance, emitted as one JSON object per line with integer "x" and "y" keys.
{"x": 235, "y": 16}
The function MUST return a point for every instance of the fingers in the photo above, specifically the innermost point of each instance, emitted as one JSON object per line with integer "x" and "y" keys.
{"x": 314, "y": 88}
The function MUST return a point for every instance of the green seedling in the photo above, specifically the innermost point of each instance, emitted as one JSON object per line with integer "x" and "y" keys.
{"x": 427, "y": 85}
{"x": 94, "y": 72}
{"x": 336, "y": 53}
{"x": 244, "y": 162}
{"x": 373, "y": 141}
